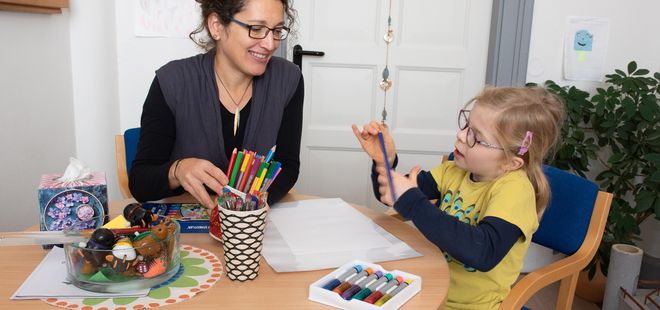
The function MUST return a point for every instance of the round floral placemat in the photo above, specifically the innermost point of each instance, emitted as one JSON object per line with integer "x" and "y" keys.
{"x": 199, "y": 271}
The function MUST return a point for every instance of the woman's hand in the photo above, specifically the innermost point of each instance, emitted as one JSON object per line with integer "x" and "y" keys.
{"x": 401, "y": 183}
{"x": 370, "y": 142}
{"x": 193, "y": 173}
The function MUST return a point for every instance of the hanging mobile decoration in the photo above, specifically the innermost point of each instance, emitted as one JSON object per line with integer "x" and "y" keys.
{"x": 386, "y": 83}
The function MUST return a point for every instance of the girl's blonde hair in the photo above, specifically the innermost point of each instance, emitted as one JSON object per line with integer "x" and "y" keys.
{"x": 519, "y": 110}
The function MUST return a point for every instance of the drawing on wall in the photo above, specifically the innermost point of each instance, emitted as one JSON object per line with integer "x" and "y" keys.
{"x": 166, "y": 18}
{"x": 585, "y": 48}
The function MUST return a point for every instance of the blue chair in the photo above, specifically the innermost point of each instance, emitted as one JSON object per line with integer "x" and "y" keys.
{"x": 573, "y": 224}
{"x": 126, "y": 148}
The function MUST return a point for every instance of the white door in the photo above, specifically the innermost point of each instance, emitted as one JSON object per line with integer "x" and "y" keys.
{"x": 437, "y": 62}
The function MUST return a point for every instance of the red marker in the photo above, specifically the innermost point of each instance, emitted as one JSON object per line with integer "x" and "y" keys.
{"x": 375, "y": 296}
{"x": 231, "y": 162}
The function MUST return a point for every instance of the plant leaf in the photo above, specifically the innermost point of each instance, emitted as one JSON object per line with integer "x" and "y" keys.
{"x": 653, "y": 157}
{"x": 632, "y": 66}
{"x": 641, "y": 72}
{"x": 645, "y": 200}
{"x": 655, "y": 177}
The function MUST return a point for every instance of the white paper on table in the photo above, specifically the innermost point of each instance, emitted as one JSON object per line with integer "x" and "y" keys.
{"x": 49, "y": 280}
{"x": 326, "y": 233}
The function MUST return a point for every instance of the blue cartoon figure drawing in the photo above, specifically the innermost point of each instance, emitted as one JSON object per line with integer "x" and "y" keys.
{"x": 583, "y": 41}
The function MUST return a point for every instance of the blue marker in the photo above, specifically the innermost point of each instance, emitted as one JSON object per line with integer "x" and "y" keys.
{"x": 343, "y": 277}
{"x": 387, "y": 165}
{"x": 270, "y": 154}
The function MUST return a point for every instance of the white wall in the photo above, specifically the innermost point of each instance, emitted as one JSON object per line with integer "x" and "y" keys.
{"x": 633, "y": 36}
{"x": 137, "y": 60}
{"x": 36, "y": 122}
{"x": 94, "y": 67}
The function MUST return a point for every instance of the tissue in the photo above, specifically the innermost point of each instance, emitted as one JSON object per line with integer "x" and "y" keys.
{"x": 76, "y": 170}
{"x": 76, "y": 199}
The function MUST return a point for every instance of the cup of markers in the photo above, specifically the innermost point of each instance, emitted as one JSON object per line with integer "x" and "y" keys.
{"x": 250, "y": 175}
{"x": 239, "y": 219}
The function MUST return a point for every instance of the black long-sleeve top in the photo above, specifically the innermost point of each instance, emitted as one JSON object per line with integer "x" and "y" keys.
{"x": 482, "y": 246}
{"x": 149, "y": 173}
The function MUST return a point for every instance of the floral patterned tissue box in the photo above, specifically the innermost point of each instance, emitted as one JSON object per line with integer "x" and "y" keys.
{"x": 73, "y": 205}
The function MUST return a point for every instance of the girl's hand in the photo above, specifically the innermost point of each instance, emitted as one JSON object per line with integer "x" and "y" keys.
{"x": 401, "y": 183}
{"x": 193, "y": 173}
{"x": 370, "y": 142}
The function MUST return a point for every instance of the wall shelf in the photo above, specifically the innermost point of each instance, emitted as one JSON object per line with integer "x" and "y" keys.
{"x": 34, "y": 6}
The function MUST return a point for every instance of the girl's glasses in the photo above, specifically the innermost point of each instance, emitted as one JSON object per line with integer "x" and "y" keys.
{"x": 471, "y": 137}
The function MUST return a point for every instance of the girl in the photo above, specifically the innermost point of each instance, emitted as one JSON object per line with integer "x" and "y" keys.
{"x": 490, "y": 197}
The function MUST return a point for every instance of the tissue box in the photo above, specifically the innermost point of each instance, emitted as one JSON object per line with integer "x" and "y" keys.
{"x": 192, "y": 217}
{"x": 75, "y": 205}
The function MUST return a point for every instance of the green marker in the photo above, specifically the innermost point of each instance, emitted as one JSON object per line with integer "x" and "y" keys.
{"x": 361, "y": 295}
{"x": 237, "y": 165}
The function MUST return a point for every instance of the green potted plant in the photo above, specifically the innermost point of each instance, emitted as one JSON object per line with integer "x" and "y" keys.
{"x": 616, "y": 131}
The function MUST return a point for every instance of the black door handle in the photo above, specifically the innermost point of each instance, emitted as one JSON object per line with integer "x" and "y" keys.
{"x": 298, "y": 53}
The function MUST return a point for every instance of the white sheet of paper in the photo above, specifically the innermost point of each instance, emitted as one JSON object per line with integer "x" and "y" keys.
{"x": 326, "y": 233}
{"x": 166, "y": 18}
{"x": 49, "y": 280}
{"x": 585, "y": 48}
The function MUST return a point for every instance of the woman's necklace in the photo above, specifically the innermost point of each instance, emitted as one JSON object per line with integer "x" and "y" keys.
{"x": 237, "y": 112}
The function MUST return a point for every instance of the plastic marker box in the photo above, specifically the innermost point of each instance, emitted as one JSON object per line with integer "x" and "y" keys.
{"x": 319, "y": 294}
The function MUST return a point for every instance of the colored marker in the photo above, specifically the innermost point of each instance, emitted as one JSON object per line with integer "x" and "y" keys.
{"x": 361, "y": 295}
{"x": 231, "y": 161}
{"x": 385, "y": 289}
{"x": 237, "y": 167}
{"x": 271, "y": 180}
{"x": 389, "y": 296}
{"x": 359, "y": 285}
{"x": 259, "y": 177}
{"x": 348, "y": 283}
{"x": 387, "y": 165}
{"x": 343, "y": 277}
{"x": 253, "y": 171}
{"x": 246, "y": 173}
{"x": 270, "y": 174}
{"x": 247, "y": 160}
{"x": 270, "y": 154}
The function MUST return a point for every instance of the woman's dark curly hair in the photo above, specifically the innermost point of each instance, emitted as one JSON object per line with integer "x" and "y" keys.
{"x": 226, "y": 9}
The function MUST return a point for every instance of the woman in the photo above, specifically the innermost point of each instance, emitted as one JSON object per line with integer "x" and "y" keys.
{"x": 236, "y": 95}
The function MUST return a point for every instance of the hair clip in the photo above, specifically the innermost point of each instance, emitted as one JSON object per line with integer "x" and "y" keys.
{"x": 527, "y": 141}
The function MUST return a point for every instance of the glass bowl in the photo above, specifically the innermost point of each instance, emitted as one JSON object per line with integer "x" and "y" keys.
{"x": 125, "y": 259}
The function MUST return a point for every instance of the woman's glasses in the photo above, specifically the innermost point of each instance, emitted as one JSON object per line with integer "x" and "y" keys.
{"x": 471, "y": 137}
{"x": 261, "y": 31}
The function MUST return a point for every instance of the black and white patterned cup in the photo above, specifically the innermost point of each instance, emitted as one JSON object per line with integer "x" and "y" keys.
{"x": 242, "y": 240}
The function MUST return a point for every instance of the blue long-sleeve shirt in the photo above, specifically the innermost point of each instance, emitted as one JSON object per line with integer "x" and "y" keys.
{"x": 481, "y": 246}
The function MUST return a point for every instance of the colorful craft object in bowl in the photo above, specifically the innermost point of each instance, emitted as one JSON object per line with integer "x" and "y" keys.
{"x": 120, "y": 260}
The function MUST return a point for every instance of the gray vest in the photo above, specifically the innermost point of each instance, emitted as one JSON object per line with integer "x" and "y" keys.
{"x": 191, "y": 93}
